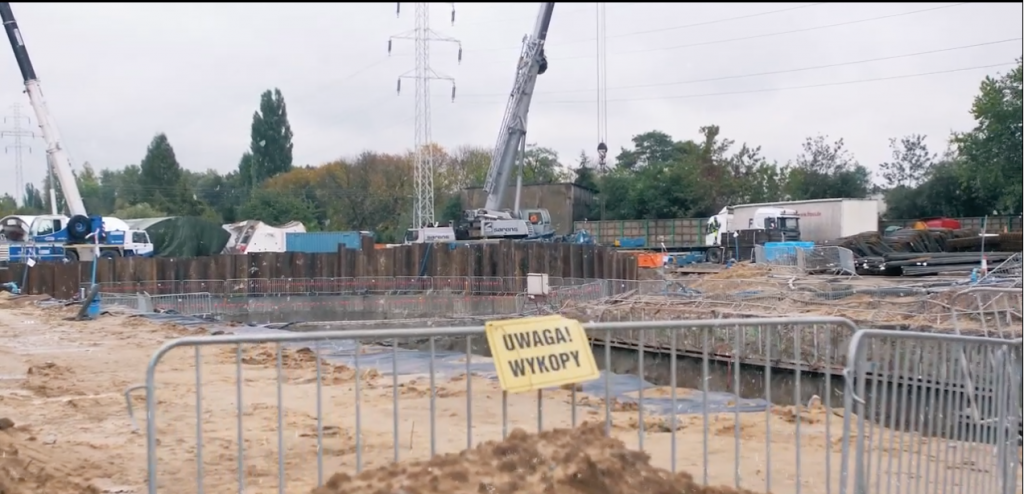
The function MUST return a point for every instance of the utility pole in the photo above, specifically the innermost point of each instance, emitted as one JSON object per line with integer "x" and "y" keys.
{"x": 17, "y": 132}
{"x": 422, "y": 73}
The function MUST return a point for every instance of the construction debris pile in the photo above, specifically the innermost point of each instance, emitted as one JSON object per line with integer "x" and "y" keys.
{"x": 910, "y": 252}
{"x": 749, "y": 290}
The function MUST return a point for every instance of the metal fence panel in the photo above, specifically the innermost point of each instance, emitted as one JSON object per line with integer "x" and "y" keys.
{"x": 186, "y": 304}
{"x": 266, "y": 412}
{"x": 932, "y": 413}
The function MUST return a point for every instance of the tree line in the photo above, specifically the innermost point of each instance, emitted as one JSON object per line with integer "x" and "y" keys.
{"x": 976, "y": 173}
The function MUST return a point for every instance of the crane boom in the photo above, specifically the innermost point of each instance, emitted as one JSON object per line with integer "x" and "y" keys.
{"x": 57, "y": 157}
{"x": 532, "y": 63}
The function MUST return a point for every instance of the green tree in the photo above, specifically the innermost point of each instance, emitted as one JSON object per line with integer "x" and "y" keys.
{"x": 541, "y": 166}
{"x": 651, "y": 147}
{"x": 270, "y": 147}
{"x": 32, "y": 202}
{"x": 162, "y": 179}
{"x": 452, "y": 209}
{"x": 991, "y": 153}
{"x": 586, "y": 175}
{"x": 136, "y": 211}
{"x": 827, "y": 170}
{"x": 8, "y": 205}
{"x": 911, "y": 162}
{"x": 89, "y": 186}
{"x": 276, "y": 207}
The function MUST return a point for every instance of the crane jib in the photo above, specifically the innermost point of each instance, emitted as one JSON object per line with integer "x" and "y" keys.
{"x": 28, "y": 73}
{"x": 58, "y": 157}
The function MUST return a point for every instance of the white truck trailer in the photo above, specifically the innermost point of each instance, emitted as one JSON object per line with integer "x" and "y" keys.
{"x": 820, "y": 220}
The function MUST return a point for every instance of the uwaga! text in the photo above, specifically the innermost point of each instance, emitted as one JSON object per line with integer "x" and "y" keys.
{"x": 541, "y": 364}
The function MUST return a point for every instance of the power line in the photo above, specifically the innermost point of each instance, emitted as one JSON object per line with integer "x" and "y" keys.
{"x": 17, "y": 132}
{"x": 809, "y": 86}
{"x": 715, "y": 21}
{"x": 770, "y": 35}
{"x": 659, "y": 30}
{"x": 422, "y": 74}
{"x": 774, "y": 72}
{"x": 768, "y": 90}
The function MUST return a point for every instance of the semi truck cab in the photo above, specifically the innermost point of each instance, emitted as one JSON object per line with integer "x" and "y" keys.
{"x": 784, "y": 221}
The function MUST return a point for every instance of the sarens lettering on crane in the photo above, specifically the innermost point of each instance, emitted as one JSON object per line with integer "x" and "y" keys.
{"x": 540, "y": 352}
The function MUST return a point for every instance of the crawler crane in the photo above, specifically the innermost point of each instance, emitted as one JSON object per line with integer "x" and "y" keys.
{"x": 491, "y": 221}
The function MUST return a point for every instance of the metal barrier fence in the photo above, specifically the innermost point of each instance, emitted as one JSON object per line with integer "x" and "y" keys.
{"x": 819, "y": 259}
{"x": 298, "y": 413}
{"x": 934, "y": 413}
{"x": 186, "y": 304}
{"x": 254, "y": 287}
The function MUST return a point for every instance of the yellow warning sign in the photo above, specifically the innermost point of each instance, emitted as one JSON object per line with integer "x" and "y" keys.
{"x": 540, "y": 352}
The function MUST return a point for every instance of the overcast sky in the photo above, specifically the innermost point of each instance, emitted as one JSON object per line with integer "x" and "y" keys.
{"x": 769, "y": 74}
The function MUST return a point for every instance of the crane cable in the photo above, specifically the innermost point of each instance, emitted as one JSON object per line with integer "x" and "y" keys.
{"x": 602, "y": 87}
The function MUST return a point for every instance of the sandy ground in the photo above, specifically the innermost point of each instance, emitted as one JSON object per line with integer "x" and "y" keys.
{"x": 68, "y": 431}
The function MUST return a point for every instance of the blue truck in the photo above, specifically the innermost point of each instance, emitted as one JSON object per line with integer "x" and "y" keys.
{"x": 78, "y": 238}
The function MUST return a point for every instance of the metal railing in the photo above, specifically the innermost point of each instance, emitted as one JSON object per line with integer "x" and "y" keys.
{"x": 932, "y": 413}
{"x": 186, "y": 304}
{"x": 255, "y": 287}
{"x": 265, "y": 411}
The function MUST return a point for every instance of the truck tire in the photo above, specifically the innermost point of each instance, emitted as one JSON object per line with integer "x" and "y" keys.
{"x": 71, "y": 255}
{"x": 78, "y": 228}
{"x": 110, "y": 254}
{"x": 715, "y": 255}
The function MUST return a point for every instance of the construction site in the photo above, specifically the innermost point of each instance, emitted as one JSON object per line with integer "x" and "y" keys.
{"x": 503, "y": 354}
{"x": 290, "y": 385}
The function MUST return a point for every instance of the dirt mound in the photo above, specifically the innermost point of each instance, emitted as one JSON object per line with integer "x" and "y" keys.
{"x": 299, "y": 365}
{"x": 50, "y": 380}
{"x": 24, "y": 470}
{"x": 743, "y": 270}
{"x": 815, "y": 412}
{"x": 566, "y": 461}
{"x": 7, "y": 299}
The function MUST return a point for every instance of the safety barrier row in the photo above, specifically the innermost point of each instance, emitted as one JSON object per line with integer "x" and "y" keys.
{"x": 916, "y": 412}
{"x": 336, "y": 286}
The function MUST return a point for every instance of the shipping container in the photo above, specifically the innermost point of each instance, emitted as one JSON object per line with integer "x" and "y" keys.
{"x": 322, "y": 242}
{"x": 820, "y": 220}
{"x": 676, "y": 232}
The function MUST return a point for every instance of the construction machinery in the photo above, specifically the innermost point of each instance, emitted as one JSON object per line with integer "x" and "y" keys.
{"x": 80, "y": 236}
{"x": 492, "y": 221}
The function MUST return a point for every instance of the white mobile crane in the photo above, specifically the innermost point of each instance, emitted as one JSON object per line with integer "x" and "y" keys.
{"x": 54, "y": 235}
{"x": 492, "y": 222}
